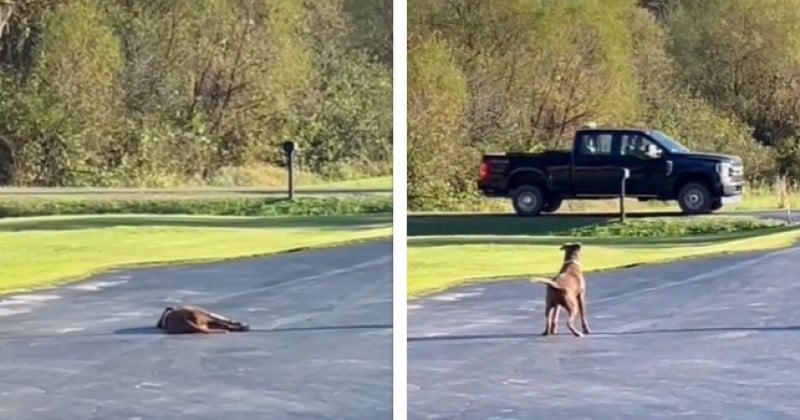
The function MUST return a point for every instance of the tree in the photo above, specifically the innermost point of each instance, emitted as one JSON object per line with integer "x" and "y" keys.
{"x": 170, "y": 92}
{"x": 743, "y": 56}
{"x": 66, "y": 114}
{"x": 438, "y": 155}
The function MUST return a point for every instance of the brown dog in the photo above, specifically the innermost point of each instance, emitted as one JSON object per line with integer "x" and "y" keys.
{"x": 567, "y": 289}
{"x": 191, "y": 319}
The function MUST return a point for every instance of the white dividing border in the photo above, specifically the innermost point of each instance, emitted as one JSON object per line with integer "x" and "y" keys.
{"x": 399, "y": 194}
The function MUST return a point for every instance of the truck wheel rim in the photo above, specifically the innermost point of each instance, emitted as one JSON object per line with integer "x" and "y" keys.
{"x": 527, "y": 201}
{"x": 693, "y": 199}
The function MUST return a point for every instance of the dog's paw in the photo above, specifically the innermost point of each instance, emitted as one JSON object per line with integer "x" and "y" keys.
{"x": 578, "y": 335}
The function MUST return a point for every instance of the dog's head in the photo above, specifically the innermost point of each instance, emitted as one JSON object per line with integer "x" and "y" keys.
{"x": 164, "y": 314}
{"x": 240, "y": 327}
{"x": 572, "y": 251}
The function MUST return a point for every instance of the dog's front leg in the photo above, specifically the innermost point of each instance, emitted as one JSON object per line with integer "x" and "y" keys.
{"x": 572, "y": 312}
{"x": 584, "y": 318}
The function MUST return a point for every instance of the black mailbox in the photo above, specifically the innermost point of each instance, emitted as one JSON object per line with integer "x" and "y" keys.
{"x": 289, "y": 150}
{"x": 289, "y": 147}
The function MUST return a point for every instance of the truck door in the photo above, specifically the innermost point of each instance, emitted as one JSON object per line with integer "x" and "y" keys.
{"x": 649, "y": 175}
{"x": 595, "y": 170}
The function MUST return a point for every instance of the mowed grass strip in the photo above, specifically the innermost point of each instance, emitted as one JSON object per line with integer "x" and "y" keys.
{"x": 45, "y": 251}
{"x": 440, "y": 261}
{"x": 228, "y": 206}
{"x": 381, "y": 182}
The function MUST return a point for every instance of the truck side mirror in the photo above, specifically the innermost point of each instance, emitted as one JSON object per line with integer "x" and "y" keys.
{"x": 652, "y": 151}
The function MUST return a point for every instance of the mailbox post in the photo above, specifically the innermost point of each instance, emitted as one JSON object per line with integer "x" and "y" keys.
{"x": 289, "y": 150}
{"x": 626, "y": 173}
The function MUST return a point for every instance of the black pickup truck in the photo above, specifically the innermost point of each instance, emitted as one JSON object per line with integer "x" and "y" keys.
{"x": 659, "y": 168}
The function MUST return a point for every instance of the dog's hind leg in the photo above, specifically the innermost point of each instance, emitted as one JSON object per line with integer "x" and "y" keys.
{"x": 233, "y": 326}
{"x": 204, "y": 328}
{"x": 554, "y": 319}
{"x": 549, "y": 313}
{"x": 584, "y": 318}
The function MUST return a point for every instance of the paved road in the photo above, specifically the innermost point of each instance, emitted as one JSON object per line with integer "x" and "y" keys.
{"x": 704, "y": 339}
{"x": 320, "y": 345}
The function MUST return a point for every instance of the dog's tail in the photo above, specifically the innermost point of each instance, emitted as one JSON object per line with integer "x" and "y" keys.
{"x": 163, "y": 317}
{"x": 546, "y": 281}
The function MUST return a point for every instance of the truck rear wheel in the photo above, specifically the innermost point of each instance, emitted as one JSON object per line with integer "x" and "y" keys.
{"x": 527, "y": 200}
{"x": 694, "y": 198}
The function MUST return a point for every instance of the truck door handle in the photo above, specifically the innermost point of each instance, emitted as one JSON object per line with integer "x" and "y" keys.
{"x": 669, "y": 167}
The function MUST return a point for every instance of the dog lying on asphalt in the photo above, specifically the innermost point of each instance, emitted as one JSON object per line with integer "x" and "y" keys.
{"x": 191, "y": 319}
{"x": 567, "y": 289}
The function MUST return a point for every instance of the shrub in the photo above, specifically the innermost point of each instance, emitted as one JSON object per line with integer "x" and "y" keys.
{"x": 310, "y": 206}
{"x": 677, "y": 227}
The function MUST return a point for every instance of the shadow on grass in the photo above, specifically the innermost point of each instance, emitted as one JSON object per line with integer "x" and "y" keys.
{"x": 639, "y": 242}
{"x": 536, "y": 335}
{"x": 561, "y": 225}
{"x": 510, "y": 224}
{"x": 354, "y": 222}
{"x": 494, "y": 224}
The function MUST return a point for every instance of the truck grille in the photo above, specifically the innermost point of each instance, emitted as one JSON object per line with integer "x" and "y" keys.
{"x": 736, "y": 173}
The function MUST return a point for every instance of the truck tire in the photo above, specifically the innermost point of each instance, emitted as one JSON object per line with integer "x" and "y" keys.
{"x": 527, "y": 200}
{"x": 694, "y": 198}
{"x": 551, "y": 205}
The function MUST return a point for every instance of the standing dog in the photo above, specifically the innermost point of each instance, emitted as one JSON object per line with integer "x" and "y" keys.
{"x": 567, "y": 289}
{"x": 191, "y": 319}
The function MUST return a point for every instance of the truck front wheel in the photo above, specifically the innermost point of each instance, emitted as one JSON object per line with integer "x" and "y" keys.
{"x": 694, "y": 198}
{"x": 527, "y": 200}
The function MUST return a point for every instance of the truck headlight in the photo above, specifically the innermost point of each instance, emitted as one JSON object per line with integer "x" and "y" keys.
{"x": 724, "y": 170}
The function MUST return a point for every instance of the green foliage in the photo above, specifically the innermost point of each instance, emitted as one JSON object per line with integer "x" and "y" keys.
{"x": 676, "y": 227}
{"x": 152, "y": 93}
{"x": 699, "y": 126}
{"x": 719, "y": 75}
{"x": 439, "y": 158}
{"x": 742, "y": 55}
{"x": 213, "y": 207}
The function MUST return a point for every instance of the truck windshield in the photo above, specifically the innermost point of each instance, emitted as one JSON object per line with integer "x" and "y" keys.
{"x": 668, "y": 143}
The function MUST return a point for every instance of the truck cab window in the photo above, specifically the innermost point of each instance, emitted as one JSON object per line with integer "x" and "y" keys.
{"x": 595, "y": 144}
{"x": 636, "y": 145}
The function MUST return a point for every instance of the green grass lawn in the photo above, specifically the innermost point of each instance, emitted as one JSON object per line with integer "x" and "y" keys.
{"x": 43, "y": 251}
{"x": 446, "y": 251}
